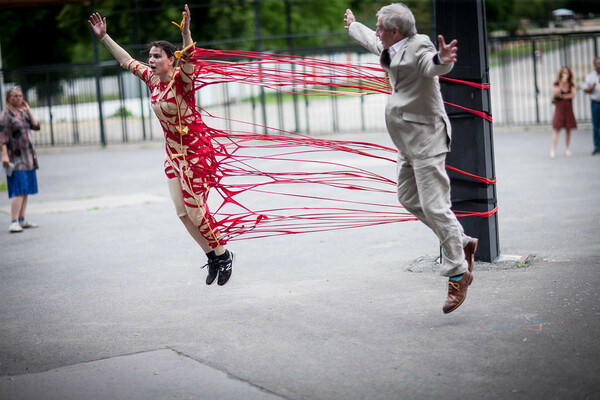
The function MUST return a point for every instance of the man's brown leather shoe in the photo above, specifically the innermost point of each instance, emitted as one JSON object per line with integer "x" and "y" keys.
{"x": 457, "y": 292}
{"x": 470, "y": 249}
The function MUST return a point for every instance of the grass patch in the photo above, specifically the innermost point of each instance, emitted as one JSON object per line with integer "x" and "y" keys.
{"x": 522, "y": 264}
{"x": 122, "y": 112}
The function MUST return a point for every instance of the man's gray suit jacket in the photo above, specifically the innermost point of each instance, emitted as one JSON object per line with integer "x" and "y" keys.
{"x": 415, "y": 115}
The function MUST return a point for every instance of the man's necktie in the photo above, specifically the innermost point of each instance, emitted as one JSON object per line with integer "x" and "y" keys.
{"x": 385, "y": 58}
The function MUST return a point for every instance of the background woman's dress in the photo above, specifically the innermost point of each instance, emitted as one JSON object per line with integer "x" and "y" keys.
{"x": 563, "y": 114}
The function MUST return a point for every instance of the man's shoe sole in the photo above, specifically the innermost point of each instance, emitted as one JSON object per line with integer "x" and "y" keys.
{"x": 470, "y": 250}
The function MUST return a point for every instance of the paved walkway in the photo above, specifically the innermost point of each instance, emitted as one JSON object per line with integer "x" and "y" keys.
{"x": 106, "y": 300}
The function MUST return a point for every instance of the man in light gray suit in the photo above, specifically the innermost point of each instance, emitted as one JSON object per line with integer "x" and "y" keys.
{"x": 419, "y": 127}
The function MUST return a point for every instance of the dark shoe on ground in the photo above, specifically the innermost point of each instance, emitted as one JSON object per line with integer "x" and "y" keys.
{"x": 457, "y": 292}
{"x": 225, "y": 267}
{"x": 470, "y": 249}
{"x": 213, "y": 271}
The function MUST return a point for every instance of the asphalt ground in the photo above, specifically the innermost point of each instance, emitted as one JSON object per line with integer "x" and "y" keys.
{"x": 106, "y": 299}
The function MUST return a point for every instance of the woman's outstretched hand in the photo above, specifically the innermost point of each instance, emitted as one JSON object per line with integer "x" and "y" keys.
{"x": 98, "y": 25}
{"x": 186, "y": 19}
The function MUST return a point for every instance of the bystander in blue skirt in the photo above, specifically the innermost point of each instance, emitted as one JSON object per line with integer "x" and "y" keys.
{"x": 21, "y": 183}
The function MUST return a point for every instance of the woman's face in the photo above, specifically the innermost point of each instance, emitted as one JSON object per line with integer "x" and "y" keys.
{"x": 159, "y": 62}
{"x": 565, "y": 73}
{"x": 16, "y": 98}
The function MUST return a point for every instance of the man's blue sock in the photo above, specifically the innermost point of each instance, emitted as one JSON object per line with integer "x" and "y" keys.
{"x": 456, "y": 277}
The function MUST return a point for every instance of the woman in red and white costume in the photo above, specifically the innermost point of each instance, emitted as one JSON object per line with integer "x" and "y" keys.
{"x": 190, "y": 164}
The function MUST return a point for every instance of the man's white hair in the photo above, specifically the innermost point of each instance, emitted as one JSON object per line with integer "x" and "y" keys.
{"x": 398, "y": 15}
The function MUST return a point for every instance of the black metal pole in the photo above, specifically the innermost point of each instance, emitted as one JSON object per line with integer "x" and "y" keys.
{"x": 290, "y": 42}
{"x": 136, "y": 39}
{"x": 258, "y": 39}
{"x": 472, "y": 141}
{"x": 73, "y": 102}
{"x": 49, "y": 102}
{"x": 98, "y": 86}
{"x": 535, "y": 82}
{"x": 432, "y": 20}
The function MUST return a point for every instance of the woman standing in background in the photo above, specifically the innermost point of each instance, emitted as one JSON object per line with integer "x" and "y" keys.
{"x": 18, "y": 156}
{"x": 563, "y": 92}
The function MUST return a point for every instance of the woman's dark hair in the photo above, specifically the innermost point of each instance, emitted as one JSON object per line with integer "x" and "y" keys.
{"x": 168, "y": 47}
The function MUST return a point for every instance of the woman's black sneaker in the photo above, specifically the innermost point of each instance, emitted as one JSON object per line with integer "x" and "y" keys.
{"x": 225, "y": 265}
{"x": 213, "y": 270}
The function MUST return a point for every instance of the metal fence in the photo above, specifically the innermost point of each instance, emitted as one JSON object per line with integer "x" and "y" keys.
{"x": 64, "y": 99}
{"x": 524, "y": 69}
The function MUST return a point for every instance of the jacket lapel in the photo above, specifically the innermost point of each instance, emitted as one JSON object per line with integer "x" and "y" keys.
{"x": 398, "y": 57}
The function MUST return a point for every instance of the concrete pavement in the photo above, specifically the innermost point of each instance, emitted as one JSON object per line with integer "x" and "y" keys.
{"x": 106, "y": 300}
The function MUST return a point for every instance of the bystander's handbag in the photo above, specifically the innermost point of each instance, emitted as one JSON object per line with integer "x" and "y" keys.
{"x": 9, "y": 170}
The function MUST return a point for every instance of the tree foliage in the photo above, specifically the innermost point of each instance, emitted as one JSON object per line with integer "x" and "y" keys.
{"x": 60, "y": 34}
{"x": 30, "y": 38}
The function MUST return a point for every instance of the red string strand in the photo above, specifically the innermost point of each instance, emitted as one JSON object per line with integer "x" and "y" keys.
{"x": 328, "y": 178}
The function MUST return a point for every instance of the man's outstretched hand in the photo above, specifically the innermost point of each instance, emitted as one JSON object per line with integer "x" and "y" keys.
{"x": 448, "y": 52}
{"x": 349, "y": 18}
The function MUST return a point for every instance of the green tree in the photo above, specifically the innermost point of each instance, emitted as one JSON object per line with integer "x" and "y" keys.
{"x": 60, "y": 34}
{"x": 32, "y": 38}
{"x": 229, "y": 26}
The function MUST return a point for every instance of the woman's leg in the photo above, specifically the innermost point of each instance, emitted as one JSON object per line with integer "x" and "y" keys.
{"x": 554, "y": 142}
{"x": 196, "y": 225}
{"x": 567, "y": 141}
{"x": 17, "y": 207}
{"x": 195, "y": 233}
{"x": 23, "y": 208}
{"x": 182, "y": 213}
{"x": 194, "y": 219}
